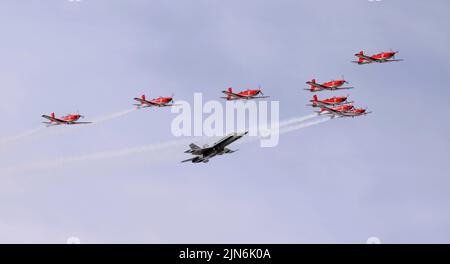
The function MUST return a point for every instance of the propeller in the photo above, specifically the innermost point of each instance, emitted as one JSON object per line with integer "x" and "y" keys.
{"x": 78, "y": 113}
{"x": 395, "y": 52}
{"x": 260, "y": 91}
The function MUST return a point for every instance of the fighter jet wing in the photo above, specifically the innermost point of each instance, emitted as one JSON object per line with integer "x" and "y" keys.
{"x": 188, "y": 160}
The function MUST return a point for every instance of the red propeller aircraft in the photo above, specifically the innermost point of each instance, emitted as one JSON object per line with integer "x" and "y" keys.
{"x": 343, "y": 111}
{"x": 70, "y": 119}
{"x": 333, "y": 101}
{"x": 331, "y": 85}
{"x": 158, "y": 102}
{"x": 380, "y": 57}
{"x": 247, "y": 94}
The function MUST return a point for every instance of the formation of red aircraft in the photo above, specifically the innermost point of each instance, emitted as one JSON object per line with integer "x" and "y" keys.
{"x": 340, "y": 106}
{"x": 334, "y": 106}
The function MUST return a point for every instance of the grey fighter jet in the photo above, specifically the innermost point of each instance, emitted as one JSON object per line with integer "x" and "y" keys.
{"x": 219, "y": 148}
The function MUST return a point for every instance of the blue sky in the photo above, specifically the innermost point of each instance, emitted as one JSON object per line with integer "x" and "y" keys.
{"x": 383, "y": 175}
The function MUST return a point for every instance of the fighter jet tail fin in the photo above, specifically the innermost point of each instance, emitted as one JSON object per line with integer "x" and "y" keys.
{"x": 193, "y": 146}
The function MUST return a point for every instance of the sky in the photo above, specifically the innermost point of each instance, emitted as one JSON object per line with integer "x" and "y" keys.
{"x": 384, "y": 175}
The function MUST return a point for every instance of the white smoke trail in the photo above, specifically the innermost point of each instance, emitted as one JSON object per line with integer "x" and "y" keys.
{"x": 297, "y": 120}
{"x": 112, "y": 116}
{"x": 285, "y": 127}
{"x": 23, "y": 135}
{"x": 57, "y": 162}
{"x": 53, "y": 131}
{"x": 303, "y": 125}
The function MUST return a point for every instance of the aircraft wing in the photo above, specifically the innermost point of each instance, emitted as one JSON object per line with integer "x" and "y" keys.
{"x": 246, "y": 97}
{"x": 342, "y": 88}
{"x": 228, "y": 151}
{"x": 350, "y": 114}
{"x": 233, "y": 94}
{"x": 363, "y": 62}
{"x": 316, "y": 85}
{"x": 80, "y": 123}
{"x": 148, "y": 103}
{"x": 334, "y": 112}
{"x": 365, "y": 57}
{"x": 391, "y": 60}
{"x": 54, "y": 119}
{"x": 189, "y": 159}
{"x": 322, "y": 104}
{"x": 319, "y": 104}
{"x": 258, "y": 97}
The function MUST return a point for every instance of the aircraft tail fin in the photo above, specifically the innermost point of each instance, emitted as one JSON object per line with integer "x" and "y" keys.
{"x": 143, "y": 98}
{"x": 193, "y": 146}
{"x": 314, "y": 100}
{"x": 230, "y": 91}
{"x": 312, "y": 86}
{"x": 361, "y": 60}
{"x": 53, "y": 115}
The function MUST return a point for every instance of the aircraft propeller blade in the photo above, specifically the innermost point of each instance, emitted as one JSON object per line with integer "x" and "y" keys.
{"x": 260, "y": 91}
